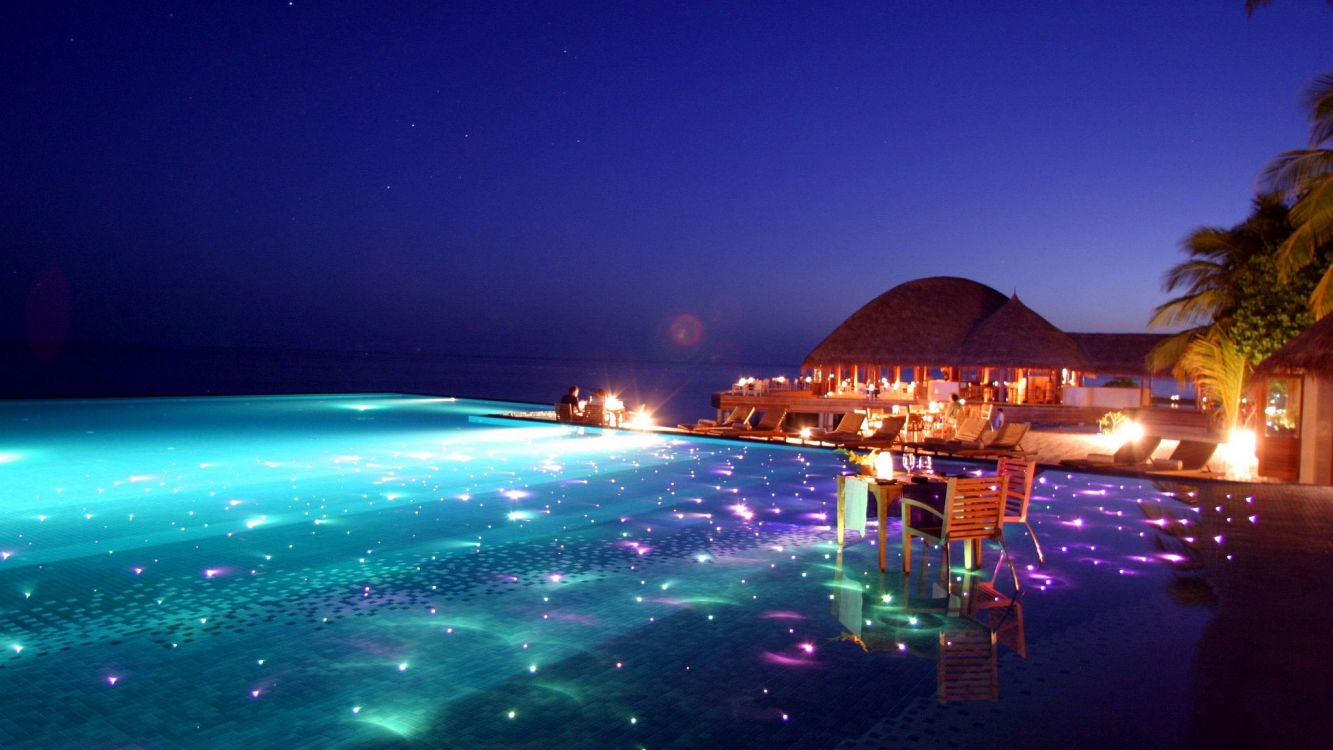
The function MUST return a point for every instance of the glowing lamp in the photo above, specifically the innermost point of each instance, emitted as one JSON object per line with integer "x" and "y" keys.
{"x": 1239, "y": 455}
{"x": 884, "y": 465}
{"x": 805, "y": 433}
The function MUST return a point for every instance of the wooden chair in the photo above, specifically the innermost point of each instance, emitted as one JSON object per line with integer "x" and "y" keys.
{"x": 849, "y": 428}
{"x": 564, "y": 412}
{"x": 738, "y": 416}
{"x": 1018, "y": 494}
{"x": 594, "y": 414}
{"x": 1006, "y": 442}
{"x": 973, "y": 512}
{"x": 968, "y": 437}
{"x": 770, "y": 425}
{"x": 1132, "y": 455}
{"x": 1189, "y": 457}
{"x": 890, "y": 431}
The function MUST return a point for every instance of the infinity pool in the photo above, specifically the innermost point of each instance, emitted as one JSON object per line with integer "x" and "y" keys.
{"x": 387, "y": 571}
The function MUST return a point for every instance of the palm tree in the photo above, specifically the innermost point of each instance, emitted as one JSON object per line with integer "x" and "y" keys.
{"x": 1220, "y": 371}
{"x": 1210, "y": 279}
{"x": 1213, "y": 287}
{"x": 1305, "y": 177}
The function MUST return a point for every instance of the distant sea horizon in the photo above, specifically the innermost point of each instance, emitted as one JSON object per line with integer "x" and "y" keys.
{"x": 675, "y": 391}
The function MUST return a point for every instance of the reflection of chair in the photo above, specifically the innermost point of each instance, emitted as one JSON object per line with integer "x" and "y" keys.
{"x": 966, "y": 670}
{"x": 849, "y": 428}
{"x": 972, "y": 513}
{"x": 1018, "y": 495}
{"x": 739, "y": 416}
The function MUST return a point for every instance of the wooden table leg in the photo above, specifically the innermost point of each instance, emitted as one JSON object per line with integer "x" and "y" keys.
{"x": 882, "y": 509}
{"x": 842, "y": 507}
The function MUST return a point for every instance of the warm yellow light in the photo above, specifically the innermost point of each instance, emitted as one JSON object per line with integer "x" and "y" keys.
{"x": 1239, "y": 455}
{"x": 884, "y": 465}
{"x": 806, "y": 433}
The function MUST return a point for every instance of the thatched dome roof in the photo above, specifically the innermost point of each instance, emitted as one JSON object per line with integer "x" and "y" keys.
{"x": 920, "y": 322}
{"x": 1310, "y": 353}
{"x": 1119, "y": 353}
{"x": 1015, "y": 336}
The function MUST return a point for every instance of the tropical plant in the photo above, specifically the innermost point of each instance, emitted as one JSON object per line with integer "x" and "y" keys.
{"x": 865, "y": 460}
{"x": 1209, "y": 282}
{"x": 1229, "y": 287}
{"x": 1111, "y": 421}
{"x": 1305, "y": 177}
{"x": 1220, "y": 371}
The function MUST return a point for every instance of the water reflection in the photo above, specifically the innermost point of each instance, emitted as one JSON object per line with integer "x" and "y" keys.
{"x": 957, "y": 621}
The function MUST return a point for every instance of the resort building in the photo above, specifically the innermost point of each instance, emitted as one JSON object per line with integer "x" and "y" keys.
{"x": 1295, "y": 385}
{"x": 924, "y": 341}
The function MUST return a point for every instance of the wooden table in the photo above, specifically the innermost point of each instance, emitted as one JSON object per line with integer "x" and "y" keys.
{"x": 886, "y": 493}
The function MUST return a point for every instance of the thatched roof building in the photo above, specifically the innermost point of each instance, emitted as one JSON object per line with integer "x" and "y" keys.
{"x": 945, "y": 321}
{"x": 1015, "y": 336}
{"x": 918, "y": 323}
{"x": 1309, "y": 353}
{"x": 1118, "y": 353}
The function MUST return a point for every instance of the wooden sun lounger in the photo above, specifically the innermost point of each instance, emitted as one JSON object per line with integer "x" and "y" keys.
{"x": 1189, "y": 459}
{"x": 968, "y": 437}
{"x": 769, "y": 426}
{"x": 1133, "y": 455}
{"x": 849, "y": 428}
{"x": 1006, "y": 443}
{"x": 890, "y": 431}
{"x": 738, "y": 419}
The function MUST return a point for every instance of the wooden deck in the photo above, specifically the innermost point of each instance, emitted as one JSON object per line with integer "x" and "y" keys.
{"x": 824, "y": 410}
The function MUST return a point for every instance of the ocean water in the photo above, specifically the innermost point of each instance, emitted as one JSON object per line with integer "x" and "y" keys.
{"x": 675, "y": 391}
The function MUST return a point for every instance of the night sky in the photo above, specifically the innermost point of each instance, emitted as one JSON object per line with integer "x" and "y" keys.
{"x": 545, "y": 178}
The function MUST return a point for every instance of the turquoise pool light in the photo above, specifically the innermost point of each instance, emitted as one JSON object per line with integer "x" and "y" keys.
{"x": 295, "y": 572}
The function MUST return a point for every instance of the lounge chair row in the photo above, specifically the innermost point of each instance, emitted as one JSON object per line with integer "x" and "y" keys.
{"x": 968, "y": 441}
{"x": 1190, "y": 457}
{"x": 737, "y": 424}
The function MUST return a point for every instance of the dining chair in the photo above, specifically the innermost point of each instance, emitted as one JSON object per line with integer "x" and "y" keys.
{"x": 973, "y": 512}
{"x": 1018, "y": 495}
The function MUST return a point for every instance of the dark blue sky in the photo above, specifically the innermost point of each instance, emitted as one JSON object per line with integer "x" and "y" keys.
{"x": 547, "y": 179}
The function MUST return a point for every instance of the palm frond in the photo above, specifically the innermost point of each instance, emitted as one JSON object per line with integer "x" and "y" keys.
{"x": 1292, "y": 172}
{"x": 1313, "y": 217}
{"x": 1220, "y": 371}
{"x": 1321, "y": 299}
{"x": 1319, "y": 100}
{"x": 1193, "y": 275}
{"x": 1166, "y": 355}
{"x": 1190, "y": 308}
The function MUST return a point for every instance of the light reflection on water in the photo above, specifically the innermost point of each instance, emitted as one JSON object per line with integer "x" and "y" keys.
{"x": 291, "y": 572}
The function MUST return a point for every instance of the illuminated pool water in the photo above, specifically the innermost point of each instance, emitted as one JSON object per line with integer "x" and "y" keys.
{"x": 384, "y": 571}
